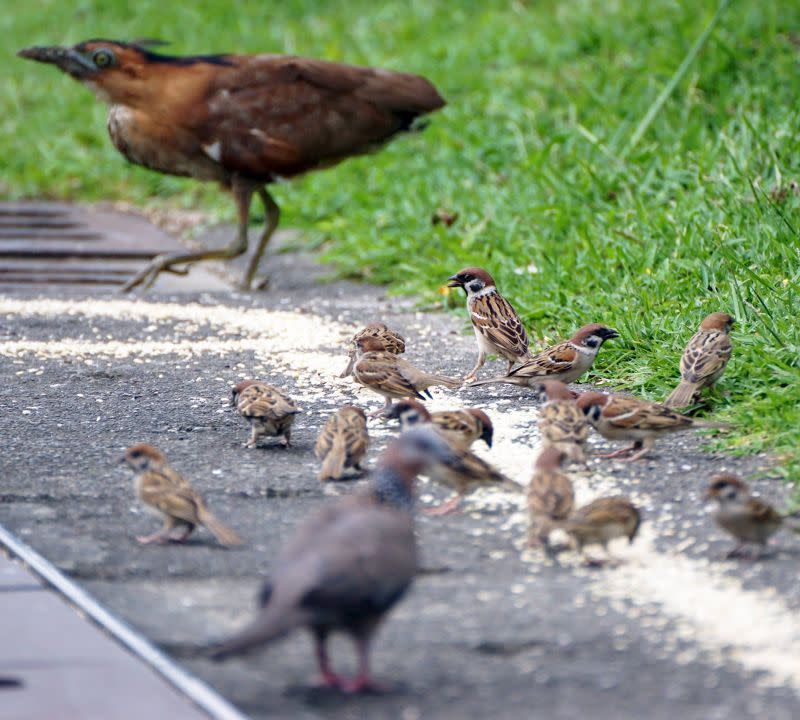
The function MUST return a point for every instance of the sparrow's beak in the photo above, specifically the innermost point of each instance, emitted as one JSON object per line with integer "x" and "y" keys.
{"x": 68, "y": 60}
{"x": 121, "y": 460}
{"x": 608, "y": 333}
{"x": 455, "y": 281}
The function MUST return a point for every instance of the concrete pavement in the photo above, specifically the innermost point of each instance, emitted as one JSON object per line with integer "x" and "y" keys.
{"x": 489, "y": 629}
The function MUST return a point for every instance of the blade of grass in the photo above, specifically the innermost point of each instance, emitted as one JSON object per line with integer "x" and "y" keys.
{"x": 654, "y": 109}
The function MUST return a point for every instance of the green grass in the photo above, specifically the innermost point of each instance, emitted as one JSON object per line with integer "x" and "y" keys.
{"x": 534, "y": 152}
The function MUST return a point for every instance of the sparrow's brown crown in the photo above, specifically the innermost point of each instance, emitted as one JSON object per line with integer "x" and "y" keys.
{"x": 593, "y": 330}
{"x": 554, "y": 390}
{"x": 370, "y": 344}
{"x": 588, "y": 400}
{"x": 376, "y": 326}
{"x": 237, "y": 389}
{"x": 718, "y": 321}
{"x": 141, "y": 455}
{"x": 726, "y": 484}
{"x": 467, "y": 275}
{"x": 413, "y": 411}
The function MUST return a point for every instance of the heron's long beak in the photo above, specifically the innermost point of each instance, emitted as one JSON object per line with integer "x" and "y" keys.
{"x": 66, "y": 59}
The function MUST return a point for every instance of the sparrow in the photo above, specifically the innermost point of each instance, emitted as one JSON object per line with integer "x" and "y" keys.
{"x": 391, "y": 376}
{"x": 392, "y": 342}
{"x": 551, "y": 496}
{"x": 347, "y": 564}
{"x": 618, "y": 417}
{"x": 498, "y": 328}
{"x": 602, "y": 521}
{"x": 566, "y": 361}
{"x": 704, "y": 359}
{"x": 747, "y": 518}
{"x": 269, "y": 411}
{"x": 166, "y": 493}
{"x": 561, "y": 423}
{"x": 464, "y": 471}
{"x": 342, "y": 442}
{"x": 463, "y": 427}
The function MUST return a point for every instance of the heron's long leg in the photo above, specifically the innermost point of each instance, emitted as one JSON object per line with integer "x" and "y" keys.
{"x": 273, "y": 216}
{"x": 243, "y": 194}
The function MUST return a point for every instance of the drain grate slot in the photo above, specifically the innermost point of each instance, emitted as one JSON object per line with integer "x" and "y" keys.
{"x": 58, "y": 244}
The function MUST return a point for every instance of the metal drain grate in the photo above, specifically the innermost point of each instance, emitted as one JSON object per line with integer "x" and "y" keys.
{"x": 59, "y": 244}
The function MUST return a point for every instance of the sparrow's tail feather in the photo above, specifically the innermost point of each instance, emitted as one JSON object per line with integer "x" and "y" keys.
{"x": 682, "y": 396}
{"x": 510, "y": 485}
{"x": 333, "y": 464}
{"x": 223, "y": 533}
{"x": 504, "y": 483}
{"x": 489, "y": 381}
{"x": 271, "y": 625}
{"x": 442, "y": 380}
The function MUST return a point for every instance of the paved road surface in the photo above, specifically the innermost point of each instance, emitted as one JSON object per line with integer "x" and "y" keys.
{"x": 488, "y": 630}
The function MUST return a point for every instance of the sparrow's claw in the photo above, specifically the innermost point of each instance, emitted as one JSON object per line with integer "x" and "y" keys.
{"x": 636, "y": 456}
{"x": 616, "y": 453}
{"x": 446, "y": 508}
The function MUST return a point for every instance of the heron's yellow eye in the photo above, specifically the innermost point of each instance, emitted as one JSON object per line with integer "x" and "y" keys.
{"x": 103, "y": 58}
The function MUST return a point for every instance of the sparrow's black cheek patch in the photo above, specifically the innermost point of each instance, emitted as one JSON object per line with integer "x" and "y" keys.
{"x": 476, "y": 286}
{"x": 592, "y": 412}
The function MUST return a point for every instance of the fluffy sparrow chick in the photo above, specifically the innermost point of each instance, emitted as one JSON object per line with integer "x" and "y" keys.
{"x": 342, "y": 442}
{"x": 392, "y": 376}
{"x": 747, "y": 518}
{"x": 602, "y": 521}
{"x": 164, "y": 491}
{"x": 566, "y": 361}
{"x": 704, "y": 359}
{"x": 618, "y": 417}
{"x": 392, "y": 342}
{"x": 498, "y": 329}
{"x": 269, "y": 411}
{"x": 463, "y": 473}
{"x": 550, "y": 495}
{"x": 464, "y": 427}
{"x": 561, "y": 423}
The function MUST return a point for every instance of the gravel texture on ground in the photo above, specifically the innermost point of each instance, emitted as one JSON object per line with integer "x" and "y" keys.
{"x": 490, "y": 629}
